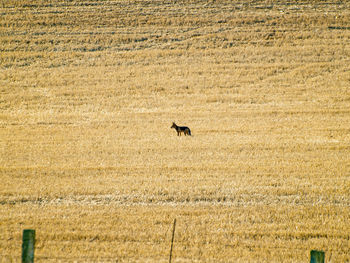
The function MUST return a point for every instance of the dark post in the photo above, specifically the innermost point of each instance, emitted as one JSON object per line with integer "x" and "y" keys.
{"x": 316, "y": 256}
{"x": 28, "y": 246}
{"x": 172, "y": 242}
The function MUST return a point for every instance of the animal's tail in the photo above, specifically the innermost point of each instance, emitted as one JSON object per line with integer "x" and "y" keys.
{"x": 189, "y": 132}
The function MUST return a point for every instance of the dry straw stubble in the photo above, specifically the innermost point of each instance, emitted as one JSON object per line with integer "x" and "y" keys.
{"x": 88, "y": 94}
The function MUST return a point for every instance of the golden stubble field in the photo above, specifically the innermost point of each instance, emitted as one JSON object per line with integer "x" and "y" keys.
{"x": 89, "y": 90}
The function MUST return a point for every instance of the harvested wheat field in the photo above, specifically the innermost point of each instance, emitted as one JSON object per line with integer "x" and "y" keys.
{"x": 90, "y": 89}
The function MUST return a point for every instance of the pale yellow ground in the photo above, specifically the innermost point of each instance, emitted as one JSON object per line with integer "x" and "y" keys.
{"x": 89, "y": 90}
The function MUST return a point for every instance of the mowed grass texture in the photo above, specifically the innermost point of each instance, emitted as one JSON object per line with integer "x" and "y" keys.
{"x": 89, "y": 90}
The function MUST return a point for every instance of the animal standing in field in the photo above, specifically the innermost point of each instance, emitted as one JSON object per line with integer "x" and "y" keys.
{"x": 181, "y": 129}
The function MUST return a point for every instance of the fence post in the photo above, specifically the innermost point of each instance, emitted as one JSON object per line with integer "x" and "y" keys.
{"x": 172, "y": 242}
{"x": 316, "y": 256}
{"x": 28, "y": 244}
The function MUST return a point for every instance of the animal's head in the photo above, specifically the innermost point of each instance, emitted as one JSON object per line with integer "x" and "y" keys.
{"x": 173, "y": 126}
